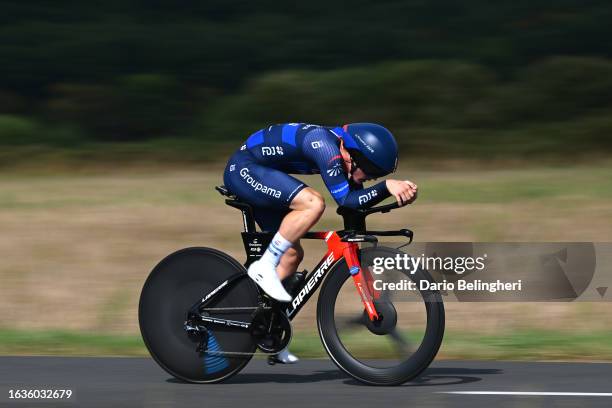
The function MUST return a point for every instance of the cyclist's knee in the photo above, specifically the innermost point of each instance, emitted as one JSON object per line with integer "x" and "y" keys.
{"x": 311, "y": 200}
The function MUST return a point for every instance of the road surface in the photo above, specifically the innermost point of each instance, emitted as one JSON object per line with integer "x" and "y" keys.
{"x": 139, "y": 382}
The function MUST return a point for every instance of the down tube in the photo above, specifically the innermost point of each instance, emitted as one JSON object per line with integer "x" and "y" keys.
{"x": 312, "y": 282}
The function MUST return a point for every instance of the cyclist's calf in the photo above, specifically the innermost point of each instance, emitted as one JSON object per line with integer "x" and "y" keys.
{"x": 290, "y": 261}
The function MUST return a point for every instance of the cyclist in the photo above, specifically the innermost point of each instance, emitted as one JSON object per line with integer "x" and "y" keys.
{"x": 345, "y": 156}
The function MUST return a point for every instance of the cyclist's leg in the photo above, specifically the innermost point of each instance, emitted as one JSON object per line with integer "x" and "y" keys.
{"x": 271, "y": 221}
{"x": 270, "y": 191}
{"x": 290, "y": 261}
{"x": 307, "y": 207}
{"x": 304, "y": 212}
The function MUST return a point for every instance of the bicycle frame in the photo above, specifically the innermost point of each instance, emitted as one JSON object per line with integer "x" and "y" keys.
{"x": 340, "y": 245}
{"x": 337, "y": 249}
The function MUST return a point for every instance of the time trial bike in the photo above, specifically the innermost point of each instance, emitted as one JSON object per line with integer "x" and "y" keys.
{"x": 202, "y": 318}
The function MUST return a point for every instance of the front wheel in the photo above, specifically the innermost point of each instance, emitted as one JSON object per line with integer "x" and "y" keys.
{"x": 396, "y": 349}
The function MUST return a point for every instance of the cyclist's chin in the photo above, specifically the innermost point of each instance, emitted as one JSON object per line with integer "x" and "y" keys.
{"x": 358, "y": 179}
{"x": 354, "y": 184}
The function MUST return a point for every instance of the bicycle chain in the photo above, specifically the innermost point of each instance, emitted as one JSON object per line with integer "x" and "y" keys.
{"x": 234, "y": 353}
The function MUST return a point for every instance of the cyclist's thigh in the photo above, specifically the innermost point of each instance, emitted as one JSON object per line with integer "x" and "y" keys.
{"x": 268, "y": 190}
{"x": 269, "y": 219}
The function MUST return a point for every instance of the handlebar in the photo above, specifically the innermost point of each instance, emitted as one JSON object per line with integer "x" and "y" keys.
{"x": 367, "y": 211}
{"x": 383, "y": 208}
{"x": 354, "y": 218}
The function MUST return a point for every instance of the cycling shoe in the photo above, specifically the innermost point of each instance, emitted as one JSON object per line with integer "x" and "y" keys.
{"x": 264, "y": 274}
{"x": 293, "y": 282}
{"x": 283, "y": 357}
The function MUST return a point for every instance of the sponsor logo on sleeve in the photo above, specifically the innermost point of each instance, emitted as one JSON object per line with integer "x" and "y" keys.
{"x": 340, "y": 189}
{"x": 367, "y": 197}
{"x": 335, "y": 170}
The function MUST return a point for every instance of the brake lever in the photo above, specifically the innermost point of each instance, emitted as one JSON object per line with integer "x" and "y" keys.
{"x": 408, "y": 234}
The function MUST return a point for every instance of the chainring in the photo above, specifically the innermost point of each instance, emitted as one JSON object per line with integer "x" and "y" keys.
{"x": 271, "y": 330}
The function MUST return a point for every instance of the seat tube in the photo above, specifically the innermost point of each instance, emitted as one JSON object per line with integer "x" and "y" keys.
{"x": 359, "y": 278}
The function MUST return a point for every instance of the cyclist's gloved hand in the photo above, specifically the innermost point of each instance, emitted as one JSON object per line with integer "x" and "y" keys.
{"x": 404, "y": 191}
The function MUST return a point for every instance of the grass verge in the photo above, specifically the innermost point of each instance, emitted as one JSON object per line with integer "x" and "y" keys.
{"x": 519, "y": 345}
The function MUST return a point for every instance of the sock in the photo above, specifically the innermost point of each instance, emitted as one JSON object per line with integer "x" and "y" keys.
{"x": 278, "y": 246}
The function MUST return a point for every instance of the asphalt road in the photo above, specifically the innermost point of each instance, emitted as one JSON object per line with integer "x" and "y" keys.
{"x": 139, "y": 382}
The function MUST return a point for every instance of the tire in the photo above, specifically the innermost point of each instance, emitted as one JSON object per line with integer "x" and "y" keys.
{"x": 406, "y": 369}
{"x": 176, "y": 284}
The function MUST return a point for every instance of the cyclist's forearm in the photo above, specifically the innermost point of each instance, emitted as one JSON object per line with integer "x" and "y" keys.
{"x": 365, "y": 198}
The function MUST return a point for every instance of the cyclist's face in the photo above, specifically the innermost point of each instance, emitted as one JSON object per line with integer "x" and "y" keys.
{"x": 359, "y": 176}
{"x": 356, "y": 175}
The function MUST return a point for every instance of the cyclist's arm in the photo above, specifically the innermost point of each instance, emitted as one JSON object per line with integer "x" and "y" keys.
{"x": 326, "y": 154}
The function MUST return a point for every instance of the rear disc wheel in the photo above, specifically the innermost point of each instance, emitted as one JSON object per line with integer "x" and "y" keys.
{"x": 172, "y": 288}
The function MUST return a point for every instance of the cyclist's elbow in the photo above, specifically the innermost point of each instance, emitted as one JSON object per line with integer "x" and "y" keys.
{"x": 343, "y": 202}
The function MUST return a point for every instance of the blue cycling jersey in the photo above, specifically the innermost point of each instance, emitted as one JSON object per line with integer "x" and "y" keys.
{"x": 258, "y": 172}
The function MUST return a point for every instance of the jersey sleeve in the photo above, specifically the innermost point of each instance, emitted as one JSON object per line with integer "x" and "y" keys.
{"x": 320, "y": 147}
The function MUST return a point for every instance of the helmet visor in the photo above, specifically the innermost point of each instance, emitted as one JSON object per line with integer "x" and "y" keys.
{"x": 369, "y": 168}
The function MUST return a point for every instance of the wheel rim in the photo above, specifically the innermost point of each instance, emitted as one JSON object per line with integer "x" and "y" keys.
{"x": 367, "y": 362}
{"x": 385, "y": 344}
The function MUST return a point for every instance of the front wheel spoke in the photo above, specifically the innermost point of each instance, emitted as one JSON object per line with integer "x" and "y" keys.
{"x": 402, "y": 344}
{"x": 351, "y": 322}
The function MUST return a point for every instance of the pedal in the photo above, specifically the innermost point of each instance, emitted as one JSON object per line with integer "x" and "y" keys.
{"x": 293, "y": 282}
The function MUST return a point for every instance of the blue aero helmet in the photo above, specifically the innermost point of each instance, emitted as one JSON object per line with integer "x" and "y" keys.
{"x": 372, "y": 147}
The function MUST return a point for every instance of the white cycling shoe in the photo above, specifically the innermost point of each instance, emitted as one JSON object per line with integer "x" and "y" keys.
{"x": 283, "y": 357}
{"x": 264, "y": 274}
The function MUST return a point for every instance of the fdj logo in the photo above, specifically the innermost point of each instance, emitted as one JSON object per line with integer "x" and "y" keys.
{"x": 367, "y": 197}
{"x": 272, "y": 151}
{"x": 316, "y": 144}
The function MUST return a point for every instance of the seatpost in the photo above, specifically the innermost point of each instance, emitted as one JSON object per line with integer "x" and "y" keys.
{"x": 248, "y": 221}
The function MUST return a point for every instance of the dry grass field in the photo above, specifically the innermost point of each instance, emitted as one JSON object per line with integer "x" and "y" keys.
{"x": 76, "y": 246}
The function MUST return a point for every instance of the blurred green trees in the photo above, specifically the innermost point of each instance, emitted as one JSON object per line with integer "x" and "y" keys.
{"x": 454, "y": 78}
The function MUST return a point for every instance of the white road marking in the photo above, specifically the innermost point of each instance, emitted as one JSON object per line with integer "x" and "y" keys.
{"x": 562, "y": 394}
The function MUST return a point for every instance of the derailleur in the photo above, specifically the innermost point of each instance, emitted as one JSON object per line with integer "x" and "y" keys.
{"x": 197, "y": 333}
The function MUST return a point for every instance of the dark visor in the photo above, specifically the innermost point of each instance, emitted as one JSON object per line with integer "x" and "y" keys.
{"x": 364, "y": 164}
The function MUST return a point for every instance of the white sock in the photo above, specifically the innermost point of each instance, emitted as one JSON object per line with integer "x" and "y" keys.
{"x": 278, "y": 246}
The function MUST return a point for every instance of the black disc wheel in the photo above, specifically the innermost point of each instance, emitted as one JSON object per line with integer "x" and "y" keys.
{"x": 393, "y": 350}
{"x": 177, "y": 283}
